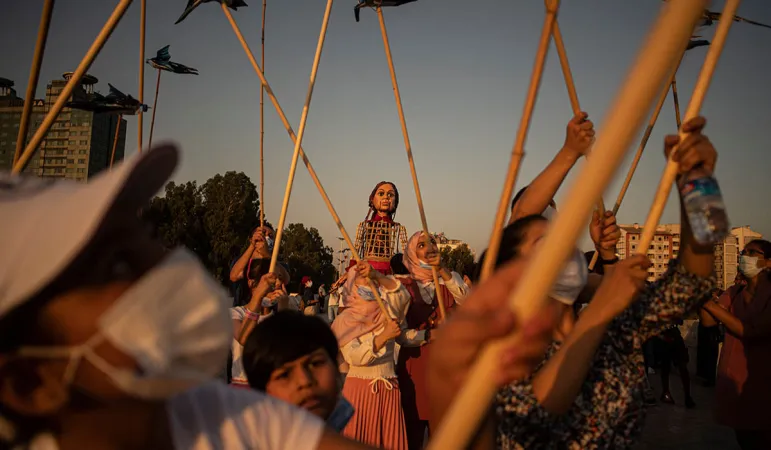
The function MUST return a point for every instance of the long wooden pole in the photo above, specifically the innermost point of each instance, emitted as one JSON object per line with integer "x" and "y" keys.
{"x": 571, "y": 86}
{"x": 34, "y": 76}
{"x": 519, "y": 144}
{"x": 676, "y": 100}
{"x": 66, "y": 93}
{"x": 694, "y": 106}
{"x": 670, "y": 34}
{"x": 638, "y": 154}
{"x": 262, "y": 119}
{"x": 300, "y": 133}
{"x": 115, "y": 141}
{"x": 306, "y": 161}
{"x": 155, "y": 108}
{"x": 142, "y": 26}
{"x": 410, "y": 159}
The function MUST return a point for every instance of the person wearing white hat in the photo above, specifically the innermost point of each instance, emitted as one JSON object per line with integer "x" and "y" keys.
{"x": 109, "y": 341}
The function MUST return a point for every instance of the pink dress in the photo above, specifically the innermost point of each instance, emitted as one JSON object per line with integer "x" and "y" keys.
{"x": 743, "y": 394}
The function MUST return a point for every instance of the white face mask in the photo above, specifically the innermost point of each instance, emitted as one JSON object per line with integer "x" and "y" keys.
{"x": 571, "y": 280}
{"x": 173, "y": 321}
{"x": 748, "y": 266}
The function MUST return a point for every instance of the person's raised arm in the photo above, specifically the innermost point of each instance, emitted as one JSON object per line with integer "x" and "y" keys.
{"x": 540, "y": 193}
{"x": 237, "y": 271}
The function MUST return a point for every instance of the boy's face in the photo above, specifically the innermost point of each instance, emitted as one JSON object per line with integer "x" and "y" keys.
{"x": 310, "y": 382}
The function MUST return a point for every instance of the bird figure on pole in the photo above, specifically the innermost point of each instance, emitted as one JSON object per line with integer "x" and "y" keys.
{"x": 193, "y": 4}
{"x": 162, "y": 61}
{"x": 377, "y": 4}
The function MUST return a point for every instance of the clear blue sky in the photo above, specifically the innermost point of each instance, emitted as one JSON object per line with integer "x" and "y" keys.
{"x": 463, "y": 68}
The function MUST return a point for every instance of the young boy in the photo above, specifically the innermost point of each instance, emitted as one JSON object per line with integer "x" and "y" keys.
{"x": 293, "y": 357}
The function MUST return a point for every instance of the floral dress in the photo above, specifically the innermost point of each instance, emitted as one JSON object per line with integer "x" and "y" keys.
{"x": 608, "y": 411}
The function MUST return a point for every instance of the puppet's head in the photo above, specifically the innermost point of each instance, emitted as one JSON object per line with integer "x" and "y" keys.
{"x": 384, "y": 199}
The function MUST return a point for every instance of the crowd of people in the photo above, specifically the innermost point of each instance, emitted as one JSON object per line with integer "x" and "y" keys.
{"x": 108, "y": 340}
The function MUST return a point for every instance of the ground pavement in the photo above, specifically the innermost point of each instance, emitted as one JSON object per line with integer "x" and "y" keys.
{"x": 675, "y": 427}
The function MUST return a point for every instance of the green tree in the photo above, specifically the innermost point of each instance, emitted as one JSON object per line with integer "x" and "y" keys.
{"x": 212, "y": 220}
{"x": 459, "y": 259}
{"x": 304, "y": 251}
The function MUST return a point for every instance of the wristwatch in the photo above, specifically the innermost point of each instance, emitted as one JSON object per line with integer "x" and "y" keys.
{"x": 607, "y": 262}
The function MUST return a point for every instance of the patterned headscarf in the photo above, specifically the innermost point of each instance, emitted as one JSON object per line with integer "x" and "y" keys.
{"x": 412, "y": 262}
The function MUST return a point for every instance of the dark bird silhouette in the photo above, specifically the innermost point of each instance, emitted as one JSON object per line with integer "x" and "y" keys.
{"x": 693, "y": 43}
{"x": 710, "y": 17}
{"x": 116, "y": 102}
{"x": 376, "y": 3}
{"x": 163, "y": 61}
{"x": 193, "y": 4}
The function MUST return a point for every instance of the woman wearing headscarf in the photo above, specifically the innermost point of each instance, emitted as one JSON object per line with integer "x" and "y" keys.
{"x": 367, "y": 340}
{"x": 420, "y": 256}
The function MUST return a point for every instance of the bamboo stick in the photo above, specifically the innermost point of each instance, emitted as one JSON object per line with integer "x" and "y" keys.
{"x": 566, "y": 72}
{"x": 694, "y": 106}
{"x": 66, "y": 93}
{"x": 306, "y": 161}
{"x": 518, "y": 151}
{"x": 115, "y": 141}
{"x": 655, "y": 62}
{"x": 34, "y": 75}
{"x": 142, "y": 34}
{"x": 676, "y": 101}
{"x": 640, "y": 149}
{"x": 155, "y": 108}
{"x": 300, "y": 133}
{"x": 410, "y": 159}
{"x": 262, "y": 119}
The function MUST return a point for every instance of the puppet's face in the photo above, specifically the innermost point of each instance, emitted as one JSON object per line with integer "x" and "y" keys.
{"x": 385, "y": 198}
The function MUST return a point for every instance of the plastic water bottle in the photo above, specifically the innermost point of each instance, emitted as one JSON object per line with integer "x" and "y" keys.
{"x": 704, "y": 206}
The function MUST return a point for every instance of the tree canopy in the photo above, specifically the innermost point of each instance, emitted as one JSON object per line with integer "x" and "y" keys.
{"x": 214, "y": 221}
{"x": 458, "y": 259}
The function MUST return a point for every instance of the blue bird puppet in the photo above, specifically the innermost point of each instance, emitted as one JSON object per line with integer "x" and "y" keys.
{"x": 193, "y": 4}
{"x": 377, "y": 3}
{"x": 162, "y": 61}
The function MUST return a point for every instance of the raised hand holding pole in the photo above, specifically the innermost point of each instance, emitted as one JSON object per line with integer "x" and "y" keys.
{"x": 408, "y": 147}
{"x": 694, "y": 106}
{"x": 524, "y": 125}
{"x": 658, "y": 57}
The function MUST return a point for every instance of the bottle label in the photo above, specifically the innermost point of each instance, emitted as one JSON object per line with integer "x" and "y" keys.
{"x": 700, "y": 187}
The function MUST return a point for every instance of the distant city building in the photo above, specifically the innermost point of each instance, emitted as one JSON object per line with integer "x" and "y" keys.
{"x": 744, "y": 235}
{"x": 666, "y": 246}
{"x": 443, "y": 241}
{"x": 79, "y": 144}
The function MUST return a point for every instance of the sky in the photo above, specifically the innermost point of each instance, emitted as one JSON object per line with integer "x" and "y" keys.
{"x": 463, "y": 69}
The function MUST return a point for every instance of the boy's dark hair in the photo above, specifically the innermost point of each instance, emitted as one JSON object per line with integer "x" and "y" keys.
{"x": 397, "y": 265}
{"x": 282, "y": 338}
{"x": 510, "y": 242}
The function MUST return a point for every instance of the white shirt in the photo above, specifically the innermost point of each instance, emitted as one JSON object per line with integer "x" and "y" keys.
{"x": 217, "y": 416}
{"x": 237, "y": 373}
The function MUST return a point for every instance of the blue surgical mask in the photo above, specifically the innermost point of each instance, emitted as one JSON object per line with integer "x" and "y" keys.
{"x": 365, "y": 293}
{"x": 748, "y": 266}
{"x": 424, "y": 264}
{"x": 269, "y": 242}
